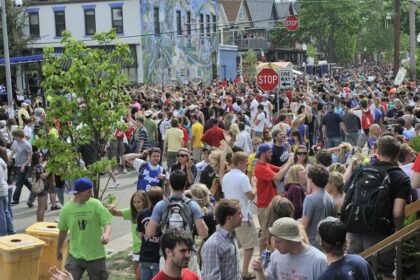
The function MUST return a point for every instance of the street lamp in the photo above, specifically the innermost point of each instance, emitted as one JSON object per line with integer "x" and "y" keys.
{"x": 11, "y": 111}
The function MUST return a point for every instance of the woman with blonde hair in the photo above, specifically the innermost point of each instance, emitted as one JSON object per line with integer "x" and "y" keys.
{"x": 335, "y": 188}
{"x": 375, "y": 133}
{"x": 201, "y": 194}
{"x": 293, "y": 190}
{"x": 279, "y": 207}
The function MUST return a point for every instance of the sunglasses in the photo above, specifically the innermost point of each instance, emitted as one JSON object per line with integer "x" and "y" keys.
{"x": 182, "y": 155}
{"x": 301, "y": 153}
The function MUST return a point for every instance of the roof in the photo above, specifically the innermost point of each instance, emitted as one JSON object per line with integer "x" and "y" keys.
{"x": 261, "y": 11}
{"x": 283, "y": 9}
{"x": 231, "y": 8}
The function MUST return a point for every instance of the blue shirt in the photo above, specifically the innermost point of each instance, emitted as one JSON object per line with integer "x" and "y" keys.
{"x": 149, "y": 177}
{"x": 160, "y": 207}
{"x": 350, "y": 267}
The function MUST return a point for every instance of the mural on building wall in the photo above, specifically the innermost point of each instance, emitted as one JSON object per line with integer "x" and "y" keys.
{"x": 169, "y": 57}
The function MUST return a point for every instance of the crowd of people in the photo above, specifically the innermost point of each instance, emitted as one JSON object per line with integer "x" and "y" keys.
{"x": 308, "y": 179}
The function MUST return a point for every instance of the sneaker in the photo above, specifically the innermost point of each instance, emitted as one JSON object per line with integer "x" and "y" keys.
{"x": 55, "y": 208}
{"x": 115, "y": 185}
{"x": 124, "y": 171}
{"x": 14, "y": 203}
{"x": 30, "y": 204}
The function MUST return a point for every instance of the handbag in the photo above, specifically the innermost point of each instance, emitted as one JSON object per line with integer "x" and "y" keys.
{"x": 38, "y": 186}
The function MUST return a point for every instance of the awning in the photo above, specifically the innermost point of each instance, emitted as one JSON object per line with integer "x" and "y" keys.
{"x": 24, "y": 59}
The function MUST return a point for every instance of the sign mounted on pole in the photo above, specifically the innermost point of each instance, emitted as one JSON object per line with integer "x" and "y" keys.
{"x": 291, "y": 23}
{"x": 267, "y": 79}
{"x": 286, "y": 78}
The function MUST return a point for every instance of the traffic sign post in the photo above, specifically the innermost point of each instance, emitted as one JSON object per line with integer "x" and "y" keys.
{"x": 291, "y": 23}
{"x": 267, "y": 79}
{"x": 286, "y": 78}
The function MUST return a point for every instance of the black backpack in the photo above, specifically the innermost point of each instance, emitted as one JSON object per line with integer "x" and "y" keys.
{"x": 177, "y": 214}
{"x": 368, "y": 206}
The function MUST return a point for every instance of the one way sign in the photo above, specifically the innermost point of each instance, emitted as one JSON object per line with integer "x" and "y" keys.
{"x": 286, "y": 78}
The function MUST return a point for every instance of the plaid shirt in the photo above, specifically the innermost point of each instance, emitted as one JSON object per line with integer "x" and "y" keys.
{"x": 220, "y": 256}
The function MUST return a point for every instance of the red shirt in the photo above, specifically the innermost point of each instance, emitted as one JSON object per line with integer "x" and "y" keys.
{"x": 213, "y": 136}
{"x": 186, "y": 275}
{"x": 416, "y": 165}
{"x": 266, "y": 188}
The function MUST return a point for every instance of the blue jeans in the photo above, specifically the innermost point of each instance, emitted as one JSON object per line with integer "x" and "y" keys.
{"x": 9, "y": 200}
{"x": 60, "y": 194}
{"x": 333, "y": 142}
{"x": 22, "y": 179}
{"x": 6, "y": 223}
{"x": 148, "y": 270}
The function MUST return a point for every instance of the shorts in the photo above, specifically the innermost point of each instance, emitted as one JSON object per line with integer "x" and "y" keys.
{"x": 247, "y": 235}
{"x": 96, "y": 269}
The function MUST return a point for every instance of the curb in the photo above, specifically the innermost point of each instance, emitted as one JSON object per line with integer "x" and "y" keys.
{"x": 119, "y": 244}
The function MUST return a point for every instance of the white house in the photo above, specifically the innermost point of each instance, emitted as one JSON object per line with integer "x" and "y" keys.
{"x": 47, "y": 19}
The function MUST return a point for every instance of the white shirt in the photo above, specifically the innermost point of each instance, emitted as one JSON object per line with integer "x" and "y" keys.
{"x": 234, "y": 185}
{"x": 260, "y": 126}
{"x": 253, "y": 108}
{"x": 243, "y": 141}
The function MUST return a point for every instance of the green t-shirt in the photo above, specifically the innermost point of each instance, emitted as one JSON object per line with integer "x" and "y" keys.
{"x": 151, "y": 128}
{"x": 126, "y": 213}
{"x": 85, "y": 223}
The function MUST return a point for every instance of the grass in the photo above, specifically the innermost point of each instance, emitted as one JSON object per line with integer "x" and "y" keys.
{"x": 119, "y": 266}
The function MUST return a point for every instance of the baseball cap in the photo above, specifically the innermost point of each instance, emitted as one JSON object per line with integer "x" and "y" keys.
{"x": 148, "y": 113}
{"x": 82, "y": 184}
{"x": 286, "y": 228}
{"x": 262, "y": 148}
{"x": 332, "y": 231}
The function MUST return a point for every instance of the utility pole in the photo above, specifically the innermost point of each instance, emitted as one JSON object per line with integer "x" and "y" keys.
{"x": 11, "y": 111}
{"x": 397, "y": 33}
{"x": 412, "y": 24}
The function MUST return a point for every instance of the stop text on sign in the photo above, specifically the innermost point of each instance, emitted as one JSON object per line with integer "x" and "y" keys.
{"x": 268, "y": 79}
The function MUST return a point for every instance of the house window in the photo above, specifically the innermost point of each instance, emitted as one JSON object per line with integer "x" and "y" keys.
{"x": 189, "y": 23}
{"x": 90, "y": 23}
{"x": 178, "y": 23}
{"x": 201, "y": 24}
{"x": 34, "y": 25}
{"x": 214, "y": 23}
{"x": 208, "y": 25}
{"x": 117, "y": 19}
{"x": 60, "y": 22}
{"x": 156, "y": 20}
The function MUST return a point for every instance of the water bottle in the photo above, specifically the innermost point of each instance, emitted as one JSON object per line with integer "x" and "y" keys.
{"x": 175, "y": 221}
{"x": 265, "y": 258}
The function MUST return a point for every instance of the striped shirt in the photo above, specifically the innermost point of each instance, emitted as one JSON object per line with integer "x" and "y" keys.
{"x": 220, "y": 256}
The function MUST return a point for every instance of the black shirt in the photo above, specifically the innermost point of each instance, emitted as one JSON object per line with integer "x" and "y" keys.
{"x": 280, "y": 155}
{"x": 149, "y": 250}
{"x": 207, "y": 176}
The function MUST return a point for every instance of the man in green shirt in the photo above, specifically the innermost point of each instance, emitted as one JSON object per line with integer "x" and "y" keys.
{"x": 90, "y": 225}
{"x": 151, "y": 128}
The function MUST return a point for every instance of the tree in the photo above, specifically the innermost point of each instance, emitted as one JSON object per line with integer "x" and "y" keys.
{"x": 86, "y": 102}
{"x": 250, "y": 63}
{"x": 332, "y": 26}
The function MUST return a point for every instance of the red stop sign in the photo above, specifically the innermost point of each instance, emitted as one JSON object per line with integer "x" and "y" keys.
{"x": 267, "y": 79}
{"x": 291, "y": 23}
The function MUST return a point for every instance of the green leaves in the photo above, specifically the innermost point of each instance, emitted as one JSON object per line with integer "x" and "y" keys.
{"x": 85, "y": 102}
{"x": 250, "y": 63}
